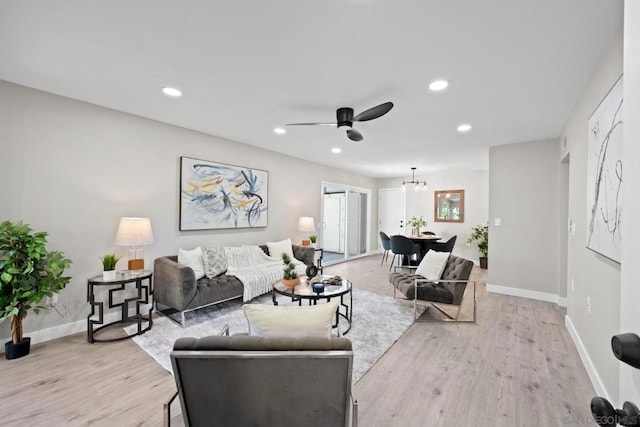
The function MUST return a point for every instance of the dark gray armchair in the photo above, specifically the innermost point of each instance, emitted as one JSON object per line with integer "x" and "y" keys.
{"x": 244, "y": 380}
{"x": 448, "y": 290}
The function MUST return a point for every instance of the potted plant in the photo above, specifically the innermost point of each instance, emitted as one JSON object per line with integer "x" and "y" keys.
{"x": 313, "y": 239}
{"x": 290, "y": 275}
{"x": 481, "y": 234}
{"x": 415, "y": 224}
{"x": 109, "y": 262}
{"x": 28, "y": 274}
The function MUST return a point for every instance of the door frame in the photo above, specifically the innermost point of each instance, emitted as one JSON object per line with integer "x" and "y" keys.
{"x": 348, "y": 188}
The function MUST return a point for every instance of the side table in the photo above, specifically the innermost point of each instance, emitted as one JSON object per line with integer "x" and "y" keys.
{"x": 319, "y": 259}
{"x": 143, "y": 293}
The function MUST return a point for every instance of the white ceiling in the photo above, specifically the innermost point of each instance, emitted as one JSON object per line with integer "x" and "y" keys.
{"x": 516, "y": 69}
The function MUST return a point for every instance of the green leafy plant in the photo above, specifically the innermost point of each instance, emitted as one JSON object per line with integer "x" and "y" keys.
{"x": 481, "y": 235}
{"x": 28, "y": 273}
{"x": 289, "y": 268}
{"x": 109, "y": 262}
{"x": 415, "y": 222}
{"x": 313, "y": 238}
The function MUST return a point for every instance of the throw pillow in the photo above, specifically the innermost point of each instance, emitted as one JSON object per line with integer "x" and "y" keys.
{"x": 432, "y": 265}
{"x": 215, "y": 262}
{"x": 290, "y": 321}
{"x": 276, "y": 249}
{"x": 193, "y": 259}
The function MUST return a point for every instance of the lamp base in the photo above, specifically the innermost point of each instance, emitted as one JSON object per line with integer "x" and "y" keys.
{"x": 136, "y": 264}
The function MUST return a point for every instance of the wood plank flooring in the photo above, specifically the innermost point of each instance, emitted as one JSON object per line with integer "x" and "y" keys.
{"x": 516, "y": 366}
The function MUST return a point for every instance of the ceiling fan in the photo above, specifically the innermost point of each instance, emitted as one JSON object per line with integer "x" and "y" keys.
{"x": 345, "y": 118}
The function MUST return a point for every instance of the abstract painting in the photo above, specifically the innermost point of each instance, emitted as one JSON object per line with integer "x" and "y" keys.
{"x": 217, "y": 195}
{"x": 604, "y": 176}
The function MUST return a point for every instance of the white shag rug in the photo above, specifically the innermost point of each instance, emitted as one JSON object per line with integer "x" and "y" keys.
{"x": 378, "y": 322}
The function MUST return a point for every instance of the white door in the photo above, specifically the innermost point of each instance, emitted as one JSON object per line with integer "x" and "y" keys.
{"x": 354, "y": 207}
{"x": 333, "y": 216}
{"x": 391, "y": 215}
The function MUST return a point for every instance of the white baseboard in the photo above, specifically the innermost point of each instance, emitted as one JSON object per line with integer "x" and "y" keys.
{"x": 61, "y": 330}
{"x": 525, "y": 293}
{"x": 596, "y": 381}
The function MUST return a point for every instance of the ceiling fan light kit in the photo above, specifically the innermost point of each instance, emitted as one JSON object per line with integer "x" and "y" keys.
{"x": 345, "y": 119}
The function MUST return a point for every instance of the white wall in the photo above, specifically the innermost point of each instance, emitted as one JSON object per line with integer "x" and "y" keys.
{"x": 523, "y": 193}
{"x": 476, "y": 204}
{"x": 595, "y": 276}
{"x": 630, "y": 288}
{"x": 73, "y": 169}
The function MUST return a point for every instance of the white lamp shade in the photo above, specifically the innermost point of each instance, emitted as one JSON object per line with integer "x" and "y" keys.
{"x": 134, "y": 232}
{"x": 306, "y": 224}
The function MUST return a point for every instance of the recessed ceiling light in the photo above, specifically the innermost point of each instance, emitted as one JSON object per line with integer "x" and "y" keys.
{"x": 171, "y": 91}
{"x": 438, "y": 85}
{"x": 336, "y": 150}
{"x": 279, "y": 131}
{"x": 464, "y": 127}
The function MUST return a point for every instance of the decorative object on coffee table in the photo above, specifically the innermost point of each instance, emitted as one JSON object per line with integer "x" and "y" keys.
{"x": 290, "y": 276}
{"x": 28, "y": 274}
{"x": 109, "y": 262}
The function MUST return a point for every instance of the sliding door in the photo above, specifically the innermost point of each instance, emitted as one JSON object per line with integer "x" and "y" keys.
{"x": 345, "y": 222}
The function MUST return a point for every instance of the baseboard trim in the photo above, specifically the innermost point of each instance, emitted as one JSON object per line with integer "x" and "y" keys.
{"x": 596, "y": 381}
{"x": 525, "y": 293}
{"x": 61, "y": 330}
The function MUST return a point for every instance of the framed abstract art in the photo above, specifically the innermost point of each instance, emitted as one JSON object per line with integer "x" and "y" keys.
{"x": 604, "y": 176}
{"x": 217, "y": 195}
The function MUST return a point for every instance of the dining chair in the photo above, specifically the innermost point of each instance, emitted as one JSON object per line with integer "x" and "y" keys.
{"x": 402, "y": 245}
{"x": 386, "y": 245}
{"x": 428, "y": 233}
{"x": 444, "y": 246}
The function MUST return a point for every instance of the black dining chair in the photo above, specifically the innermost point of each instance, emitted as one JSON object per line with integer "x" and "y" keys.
{"x": 428, "y": 233}
{"x": 402, "y": 245}
{"x": 444, "y": 246}
{"x": 386, "y": 245}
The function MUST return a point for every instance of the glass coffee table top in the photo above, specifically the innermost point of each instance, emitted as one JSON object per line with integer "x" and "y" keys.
{"x": 305, "y": 290}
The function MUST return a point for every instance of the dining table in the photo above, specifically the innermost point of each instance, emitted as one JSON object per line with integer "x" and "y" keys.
{"x": 425, "y": 241}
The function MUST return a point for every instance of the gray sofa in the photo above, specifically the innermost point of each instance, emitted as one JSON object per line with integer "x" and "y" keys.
{"x": 176, "y": 289}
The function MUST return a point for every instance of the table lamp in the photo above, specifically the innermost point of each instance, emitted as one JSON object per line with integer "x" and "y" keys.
{"x": 135, "y": 233}
{"x": 306, "y": 225}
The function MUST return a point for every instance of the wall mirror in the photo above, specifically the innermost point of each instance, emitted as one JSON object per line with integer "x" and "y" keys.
{"x": 448, "y": 206}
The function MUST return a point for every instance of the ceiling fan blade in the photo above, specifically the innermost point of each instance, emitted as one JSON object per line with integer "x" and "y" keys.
{"x": 354, "y": 135}
{"x": 374, "y": 113}
{"x": 311, "y": 124}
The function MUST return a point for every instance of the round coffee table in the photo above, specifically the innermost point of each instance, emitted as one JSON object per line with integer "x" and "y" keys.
{"x": 304, "y": 291}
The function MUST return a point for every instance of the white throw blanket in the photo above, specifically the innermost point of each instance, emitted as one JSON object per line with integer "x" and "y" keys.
{"x": 256, "y": 270}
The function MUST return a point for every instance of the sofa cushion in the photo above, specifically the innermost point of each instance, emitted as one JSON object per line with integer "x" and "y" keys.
{"x": 193, "y": 259}
{"x": 215, "y": 261}
{"x": 432, "y": 265}
{"x": 276, "y": 249}
{"x": 290, "y": 321}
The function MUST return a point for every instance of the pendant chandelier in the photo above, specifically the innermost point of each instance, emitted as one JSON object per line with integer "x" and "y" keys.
{"x": 418, "y": 185}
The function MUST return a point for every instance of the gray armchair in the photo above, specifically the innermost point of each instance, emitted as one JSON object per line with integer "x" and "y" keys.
{"x": 448, "y": 290}
{"x": 244, "y": 380}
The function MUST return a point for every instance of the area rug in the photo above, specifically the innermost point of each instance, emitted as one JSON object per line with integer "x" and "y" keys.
{"x": 378, "y": 322}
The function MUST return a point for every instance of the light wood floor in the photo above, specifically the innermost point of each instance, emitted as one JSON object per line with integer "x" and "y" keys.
{"x": 516, "y": 366}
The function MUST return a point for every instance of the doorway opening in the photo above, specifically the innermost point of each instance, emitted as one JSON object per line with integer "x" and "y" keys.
{"x": 345, "y": 222}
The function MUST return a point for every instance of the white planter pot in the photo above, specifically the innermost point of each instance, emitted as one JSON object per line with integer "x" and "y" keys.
{"x": 109, "y": 275}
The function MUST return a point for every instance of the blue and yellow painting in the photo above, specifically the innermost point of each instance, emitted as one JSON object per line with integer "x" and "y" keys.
{"x": 217, "y": 195}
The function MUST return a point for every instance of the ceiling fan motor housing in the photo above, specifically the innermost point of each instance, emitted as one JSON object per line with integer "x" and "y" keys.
{"x": 344, "y": 117}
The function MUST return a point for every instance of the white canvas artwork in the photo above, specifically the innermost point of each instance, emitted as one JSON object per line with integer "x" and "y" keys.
{"x": 217, "y": 195}
{"x": 604, "y": 176}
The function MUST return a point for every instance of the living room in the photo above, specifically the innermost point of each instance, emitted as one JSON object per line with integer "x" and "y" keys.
{"x": 74, "y": 168}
